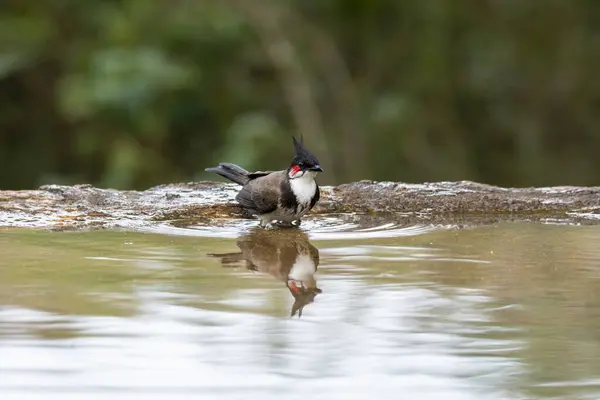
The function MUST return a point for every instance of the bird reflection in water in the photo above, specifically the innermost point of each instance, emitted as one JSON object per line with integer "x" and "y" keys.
{"x": 285, "y": 254}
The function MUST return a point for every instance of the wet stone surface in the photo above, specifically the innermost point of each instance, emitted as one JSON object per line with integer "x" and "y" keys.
{"x": 84, "y": 206}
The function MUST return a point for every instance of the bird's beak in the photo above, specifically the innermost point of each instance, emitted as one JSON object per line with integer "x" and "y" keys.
{"x": 316, "y": 168}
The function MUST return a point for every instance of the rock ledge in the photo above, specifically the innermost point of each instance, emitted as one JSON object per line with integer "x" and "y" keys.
{"x": 84, "y": 206}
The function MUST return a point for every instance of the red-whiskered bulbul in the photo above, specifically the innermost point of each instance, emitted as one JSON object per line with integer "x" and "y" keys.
{"x": 277, "y": 197}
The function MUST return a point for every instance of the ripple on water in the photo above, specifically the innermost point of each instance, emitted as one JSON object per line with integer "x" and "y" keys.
{"x": 333, "y": 227}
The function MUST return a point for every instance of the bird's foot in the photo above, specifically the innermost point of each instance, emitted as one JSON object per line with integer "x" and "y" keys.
{"x": 274, "y": 224}
{"x": 289, "y": 224}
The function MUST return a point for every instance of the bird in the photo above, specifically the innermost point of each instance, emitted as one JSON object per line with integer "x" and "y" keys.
{"x": 287, "y": 255}
{"x": 277, "y": 198}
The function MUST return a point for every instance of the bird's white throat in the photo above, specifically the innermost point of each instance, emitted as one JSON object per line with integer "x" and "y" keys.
{"x": 304, "y": 187}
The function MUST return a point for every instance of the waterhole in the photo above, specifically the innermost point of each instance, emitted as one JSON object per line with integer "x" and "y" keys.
{"x": 346, "y": 307}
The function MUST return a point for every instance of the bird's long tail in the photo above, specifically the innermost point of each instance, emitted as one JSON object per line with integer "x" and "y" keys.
{"x": 232, "y": 172}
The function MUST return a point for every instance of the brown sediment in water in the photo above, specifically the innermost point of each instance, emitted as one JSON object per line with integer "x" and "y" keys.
{"x": 84, "y": 206}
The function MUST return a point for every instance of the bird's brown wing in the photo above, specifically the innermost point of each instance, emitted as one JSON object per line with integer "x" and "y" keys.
{"x": 261, "y": 195}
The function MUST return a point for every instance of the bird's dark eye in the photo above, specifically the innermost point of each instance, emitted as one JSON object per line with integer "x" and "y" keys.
{"x": 301, "y": 164}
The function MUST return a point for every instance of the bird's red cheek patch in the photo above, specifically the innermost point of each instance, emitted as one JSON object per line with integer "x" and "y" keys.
{"x": 295, "y": 169}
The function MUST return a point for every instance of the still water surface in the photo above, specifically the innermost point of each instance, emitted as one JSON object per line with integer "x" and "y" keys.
{"x": 508, "y": 311}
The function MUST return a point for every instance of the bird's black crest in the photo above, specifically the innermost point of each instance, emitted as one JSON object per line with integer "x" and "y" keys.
{"x": 302, "y": 153}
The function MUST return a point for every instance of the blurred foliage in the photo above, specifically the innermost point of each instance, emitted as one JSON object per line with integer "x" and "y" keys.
{"x": 133, "y": 93}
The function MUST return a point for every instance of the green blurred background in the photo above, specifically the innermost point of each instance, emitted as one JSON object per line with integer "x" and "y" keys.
{"x": 134, "y": 93}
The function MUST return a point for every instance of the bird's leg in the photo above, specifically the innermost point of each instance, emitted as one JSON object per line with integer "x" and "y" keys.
{"x": 264, "y": 223}
{"x": 275, "y": 223}
{"x": 289, "y": 224}
{"x": 268, "y": 225}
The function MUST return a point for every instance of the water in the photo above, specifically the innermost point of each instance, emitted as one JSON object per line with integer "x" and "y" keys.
{"x": 507, "y": 311}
